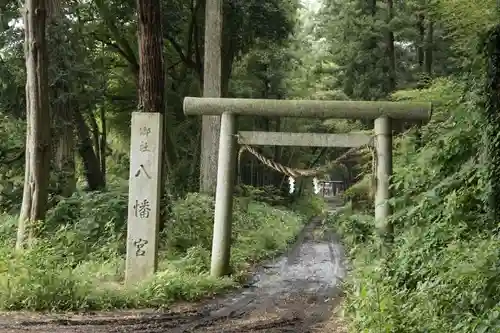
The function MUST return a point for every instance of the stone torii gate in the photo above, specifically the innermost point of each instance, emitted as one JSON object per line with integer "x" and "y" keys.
{"x": 381, "y": 112}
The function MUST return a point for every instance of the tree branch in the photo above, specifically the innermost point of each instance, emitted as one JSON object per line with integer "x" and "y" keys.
{"x": 15, "y": 159}
{"x": 119, "y": 97}
{"x": 173, "y": 65}
{"x": 178, "y": 48}
{"x": 128, "y": 52}
{"x": 199, "y": 61}
{"x": 114, "y": 46}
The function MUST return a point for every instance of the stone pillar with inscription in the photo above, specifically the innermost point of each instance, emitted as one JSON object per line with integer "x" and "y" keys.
{"x": 144, "y": 196}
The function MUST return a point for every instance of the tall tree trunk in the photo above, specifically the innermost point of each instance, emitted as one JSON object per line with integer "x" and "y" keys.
{"x": 38, "y": 134}
{"x": 65, "y": 145}
{"x": 212, "y": 87}
{"x": 421, "y": 39}
{"x": 169, "y": 149}
{"x": 95, "y": 136}
{"x": 103, "y": 143}
{"x": 100, "y": 141}
{"x": 151, "y": 70}
{"x": 429, "y": 47}
{"x": 391, "y": 52}
{"x": 373, "y": 7}
{"x": 91, "y": 165}
{"x": 492, "y": 121}
{"x": 151, "y": 85}
{"x": 63, "y": 141}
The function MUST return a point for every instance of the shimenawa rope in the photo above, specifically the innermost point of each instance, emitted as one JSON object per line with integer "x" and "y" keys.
{"x": 296, "y": 173}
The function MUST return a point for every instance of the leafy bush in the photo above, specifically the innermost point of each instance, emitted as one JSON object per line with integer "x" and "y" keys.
{"x": 359, "y": 195}
{"x": 443, "y": 271}
{"x": 11, "y": 163}
{"x": 269, "y": 194}
{"x": 87, "y": 223}
{"x": 357, "y": 229}
{"x": 310, "y": 205}
{"x": 184, "y": 230}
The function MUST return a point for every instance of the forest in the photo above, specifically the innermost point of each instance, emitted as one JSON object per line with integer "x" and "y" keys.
{"x": 72, "y": 72}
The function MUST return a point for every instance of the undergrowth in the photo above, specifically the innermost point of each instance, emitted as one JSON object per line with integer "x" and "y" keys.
{"x": 443, "y": 273}
{"x": 77, "y": 260}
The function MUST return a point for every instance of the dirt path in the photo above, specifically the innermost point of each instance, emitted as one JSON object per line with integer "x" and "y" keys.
{"x": 293, "y": 293}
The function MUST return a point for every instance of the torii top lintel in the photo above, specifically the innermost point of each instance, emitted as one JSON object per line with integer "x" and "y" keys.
{"x": 208, "y": 106}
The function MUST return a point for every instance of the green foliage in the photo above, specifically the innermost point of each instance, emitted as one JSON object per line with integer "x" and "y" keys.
{"x": 355, "y": 227}
{"x": 355, "y": 34}
{"x": 77, "y": 262}
{"x": 466, "y": 21}
{"x": 492, "y": 105}
{"x": 89, "y": 222}
{"x": 184, "y": 229}
{"x": 359, "y": 194}
{"x": 310, "y": 205}
{"x": 443, "y": 271}
{"x": 268, "y": 194}
{"x": 11, "y": 163}
{"x": 261, "y": 73}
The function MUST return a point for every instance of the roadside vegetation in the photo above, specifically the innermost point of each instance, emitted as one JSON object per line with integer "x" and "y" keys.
{"x": 77, "y": 261}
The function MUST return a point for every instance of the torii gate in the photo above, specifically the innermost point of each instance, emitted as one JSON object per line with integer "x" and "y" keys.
{"x": 381, "y": 112}
{"x": 146, "y": 135}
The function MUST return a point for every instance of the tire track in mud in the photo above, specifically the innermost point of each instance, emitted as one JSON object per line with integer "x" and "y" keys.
{"x": 289, "y": 294}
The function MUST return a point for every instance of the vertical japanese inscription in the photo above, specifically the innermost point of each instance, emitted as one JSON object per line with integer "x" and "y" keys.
{"x": 144, "y": 132}
{"x": 142, "y": 209}
{"x": 144, "y": 195}
{"x": 139, "y": 245}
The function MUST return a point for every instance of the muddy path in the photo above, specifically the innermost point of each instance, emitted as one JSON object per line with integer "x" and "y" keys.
{"x": 292, "y": 293}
